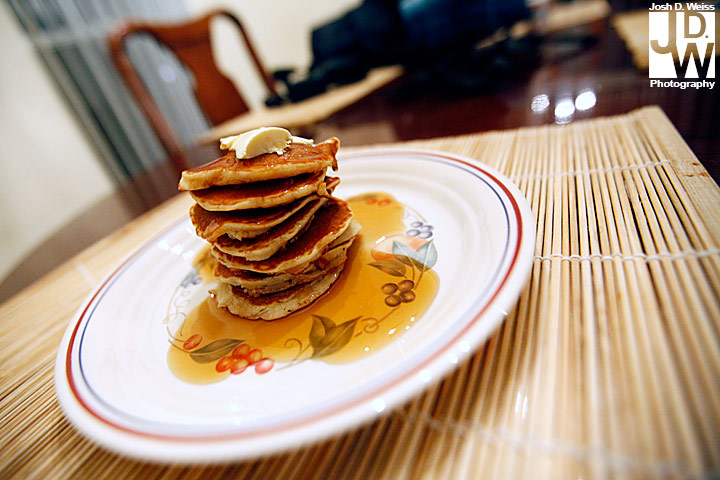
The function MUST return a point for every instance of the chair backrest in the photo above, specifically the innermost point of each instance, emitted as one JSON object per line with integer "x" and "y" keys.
{"x": 191, "y": 43}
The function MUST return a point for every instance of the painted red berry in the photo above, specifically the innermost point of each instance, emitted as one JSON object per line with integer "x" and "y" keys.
{"x": 223, "y": 364}
{"x": 393, "y": 300}
{"x": 264, "y": 365}
{"x": 406, "y": 285}
{"x": 408, "y": 296}
{"x": 254, "y": 356}
{"x": 237, "y": 365}
{"x": 241, "y": 350}
{"x": 192, "y": 342}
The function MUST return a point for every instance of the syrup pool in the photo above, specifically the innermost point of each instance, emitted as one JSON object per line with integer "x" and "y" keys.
{"x": 385, "y": 288}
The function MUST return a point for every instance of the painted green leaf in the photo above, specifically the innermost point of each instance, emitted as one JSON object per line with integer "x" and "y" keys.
{"x": 426, "y": 257}
{"x": 404, "y": 253}
{"x": 390, "y": 266}
{"x": 327, "y": 322}
{"x": 405, "y": 259}
{"x": 214, "y": 350}
{"x": 335, "y": 338}
{"x": 319, "y": 329}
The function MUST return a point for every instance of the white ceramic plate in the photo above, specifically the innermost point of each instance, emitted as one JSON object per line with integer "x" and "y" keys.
{"x": 112, "y": 375}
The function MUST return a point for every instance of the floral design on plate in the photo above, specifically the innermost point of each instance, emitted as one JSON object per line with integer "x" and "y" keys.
{"x": 390, "y": 263}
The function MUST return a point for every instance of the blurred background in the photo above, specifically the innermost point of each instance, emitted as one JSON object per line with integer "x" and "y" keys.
{"x": 73, "y": 134}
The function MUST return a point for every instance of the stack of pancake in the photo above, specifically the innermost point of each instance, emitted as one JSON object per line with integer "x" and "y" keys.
{"x": 279, "y": 237}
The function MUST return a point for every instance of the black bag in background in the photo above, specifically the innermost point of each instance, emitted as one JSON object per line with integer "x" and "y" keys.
{"x": 423, "y": 35}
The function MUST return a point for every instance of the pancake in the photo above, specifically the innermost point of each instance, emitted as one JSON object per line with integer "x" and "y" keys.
{"x": 327, "y": 225}
{"x": 348, "y": 234}
{"x": 267, "y": 244}
{"x": 278, "y": 238}
{"x": 254, "y": 283}
{"x": 274, "y": 305}
{"x": 295, "y": 160}
{"x": 264, "y": 194}
{"x": 250, "y": 223}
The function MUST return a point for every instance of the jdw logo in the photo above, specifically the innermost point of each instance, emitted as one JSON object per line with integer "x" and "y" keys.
{"x": 682, "y": 44}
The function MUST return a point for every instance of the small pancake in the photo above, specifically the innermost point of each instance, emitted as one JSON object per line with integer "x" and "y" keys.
{"x": 241, "y": 224}
{"x": 267, "y": 244}
{"x": 295, "y": 160}
{"x": 274, "y": 305}
{"x": 254, "y": 283}
{"x": 328, "y": 224}
{"x": 264, "y": 194}
{"x": 348, "y": 234}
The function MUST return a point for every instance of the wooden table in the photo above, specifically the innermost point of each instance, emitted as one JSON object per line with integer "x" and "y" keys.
{"x": 608, "y": 365}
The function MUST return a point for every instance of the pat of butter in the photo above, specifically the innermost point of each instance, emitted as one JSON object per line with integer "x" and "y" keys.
{"x": 225, "y": 142}
{"x": 259, "y": 141}
{"x": 304, "y": 141}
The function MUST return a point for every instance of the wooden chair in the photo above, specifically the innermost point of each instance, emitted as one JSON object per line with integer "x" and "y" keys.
{"x": 190, "y": 42}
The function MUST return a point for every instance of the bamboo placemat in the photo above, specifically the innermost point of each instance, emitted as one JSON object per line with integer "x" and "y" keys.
{"x": 607, "y": 367}
{"x": 633, "y": 28}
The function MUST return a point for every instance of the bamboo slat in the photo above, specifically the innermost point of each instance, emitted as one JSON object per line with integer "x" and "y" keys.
{"x": 608, "y": 366}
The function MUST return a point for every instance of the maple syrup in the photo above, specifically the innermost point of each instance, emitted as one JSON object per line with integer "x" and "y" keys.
{"x": 379, "y": 296}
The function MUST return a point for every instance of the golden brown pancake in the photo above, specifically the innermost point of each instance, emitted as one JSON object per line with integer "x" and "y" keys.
{"x": 255, "y": 284}
{"x": 328, "y": 224}
{"x": 348, "y": 234}
{"x": 295, "y": 160}
{"x": 248, "y": 223}
{"x": 267, "y": 244}
{"x": 274, "y": 305}
{"x": 264, "y": 194}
